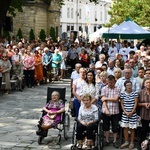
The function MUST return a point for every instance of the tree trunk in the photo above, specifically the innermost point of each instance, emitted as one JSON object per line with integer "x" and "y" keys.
{"x": 4, "y": 6}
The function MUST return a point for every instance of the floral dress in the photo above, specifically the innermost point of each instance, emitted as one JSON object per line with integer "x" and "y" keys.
{"x": 53, "y": 106}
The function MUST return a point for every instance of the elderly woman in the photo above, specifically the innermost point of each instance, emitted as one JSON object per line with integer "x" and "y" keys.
{"x": 88, "y": 116}
{"x": 28, "y": 67}
{"x": 53, "y": 109}
{"x": 77, "y": 84}
{"x": 101, "y": 61}
{"x": 99, "y": 86}
{"x": 56, "y": 60}
{"x": 38, "y": 67}
{"x": 6, "y": 72}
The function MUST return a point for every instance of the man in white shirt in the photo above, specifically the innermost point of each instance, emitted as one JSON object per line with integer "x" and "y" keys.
{"x": 75, "y": 75}
{"x": 111, "y": 67}
{"x": 112, "y": 52}
{"x": 128, "y": 76}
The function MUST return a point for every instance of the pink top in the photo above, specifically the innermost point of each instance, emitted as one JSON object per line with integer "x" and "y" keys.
{"x": 78, "y": 83}
{"x": 28, "y": 62}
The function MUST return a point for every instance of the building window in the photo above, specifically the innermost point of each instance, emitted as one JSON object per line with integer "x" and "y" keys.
{"x": 95, "y": 28}
{"x": 80, "y": 13}
{"x": 101, "y": 16}
{"x": 68, "y": 28}
{"x": 68, "y": 12}
{"x": 95, "y": 15}
{"x": 106, "y": 15}
{"x": 86, "y": 29}
{"x": 72, "y": 28}
{"x": 80, "y": 28}
{"x": 71, "y": 12}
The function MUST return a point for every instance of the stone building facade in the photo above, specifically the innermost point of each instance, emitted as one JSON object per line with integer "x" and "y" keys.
{"x": 37, "y": 15}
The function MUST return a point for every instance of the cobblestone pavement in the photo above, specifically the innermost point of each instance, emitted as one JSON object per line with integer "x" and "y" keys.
{"x": 19, "y": 115}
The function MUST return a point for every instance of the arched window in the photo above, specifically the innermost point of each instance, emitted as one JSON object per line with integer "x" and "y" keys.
{"x": 68, "y": 12}
{"x": 71, "y": 12}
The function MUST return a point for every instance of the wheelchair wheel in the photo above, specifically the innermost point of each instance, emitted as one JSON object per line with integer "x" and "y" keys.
{"x": 74, "y": 135}
{"x": 74, "y": 148}
{"x": 58, "y": 140}
{"x": 101, "y": 136}
{"x": 66, "y": 126}
{"x": 40, "y": 138}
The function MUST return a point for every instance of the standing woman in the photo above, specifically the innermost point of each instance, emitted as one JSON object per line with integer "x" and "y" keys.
{"x": 77, "y": 84}
{"x": 38, "y": 67}
{"x": 6, "y": 72}
{"x": 83, "y": 56}
{"x": 29, "y": 67}
{"x": 63, "y": 54}
{"x": 56, "y": 60}
{"x": 88, "y": 87}
{"x": 99, "y": 86}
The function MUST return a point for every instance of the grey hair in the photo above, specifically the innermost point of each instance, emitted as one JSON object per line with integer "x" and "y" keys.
{"x": 56, "y": 93}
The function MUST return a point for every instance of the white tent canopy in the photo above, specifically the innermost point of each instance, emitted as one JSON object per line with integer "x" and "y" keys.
{"x": 96, "y": 35}
{"x": 127, "y": 30}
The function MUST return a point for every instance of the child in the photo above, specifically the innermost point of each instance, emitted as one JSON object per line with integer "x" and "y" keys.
{"x": 129, "y": 101}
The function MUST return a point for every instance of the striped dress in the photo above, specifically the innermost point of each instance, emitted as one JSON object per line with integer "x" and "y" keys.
{"x": 128, "y": 102}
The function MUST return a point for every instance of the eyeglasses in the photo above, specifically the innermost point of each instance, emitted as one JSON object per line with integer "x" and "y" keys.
{"x": 4, "y": 57}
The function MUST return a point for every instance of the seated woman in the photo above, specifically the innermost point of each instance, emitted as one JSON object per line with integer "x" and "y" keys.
{"x": 54, "y": 108}
{"x": 87, "y": 120}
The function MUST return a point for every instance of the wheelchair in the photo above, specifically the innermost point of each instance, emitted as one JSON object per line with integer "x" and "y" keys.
{"x": 98, "y": 136}
{"x": 63, "y": 125}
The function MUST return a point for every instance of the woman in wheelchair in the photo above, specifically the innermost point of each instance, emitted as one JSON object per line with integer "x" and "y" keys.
{"x": 52, "y": 113}
{"x": 87, "y": 121}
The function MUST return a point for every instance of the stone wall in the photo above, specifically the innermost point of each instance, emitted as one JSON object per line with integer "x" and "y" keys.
{"x": 37, "y": 16}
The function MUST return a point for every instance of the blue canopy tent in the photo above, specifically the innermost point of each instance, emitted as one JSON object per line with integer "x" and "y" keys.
{"x": 127, "y": 30}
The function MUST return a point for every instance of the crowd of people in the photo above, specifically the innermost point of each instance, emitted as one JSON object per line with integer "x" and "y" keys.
{"x": 118, "y": 84}
{"x": 109, "y": 81}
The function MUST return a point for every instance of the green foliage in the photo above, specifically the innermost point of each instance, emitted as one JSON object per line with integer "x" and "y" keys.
{"x": 15, "y": 5}
{"x": 19, "y": 34}
{"x": 137, "y": 10}
{"x": 53, "y": 34}
{"x": 42, "y": 35}
{"x": 31, "y": 35}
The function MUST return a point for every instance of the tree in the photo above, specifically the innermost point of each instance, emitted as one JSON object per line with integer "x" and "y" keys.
{"x": 42, "y": 35}
{"x": 8, "y": 6}
{"x": 137, "y": 10}
{"x": 53, "y": 34}
{"x": 19, "y": 34}
{"x": 31, "y": 35}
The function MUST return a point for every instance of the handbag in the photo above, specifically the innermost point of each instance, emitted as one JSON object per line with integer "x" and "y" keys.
{"x": 51, "y": 116}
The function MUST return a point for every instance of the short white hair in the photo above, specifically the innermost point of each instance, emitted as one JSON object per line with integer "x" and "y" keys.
{"x": 46, "y": 49}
